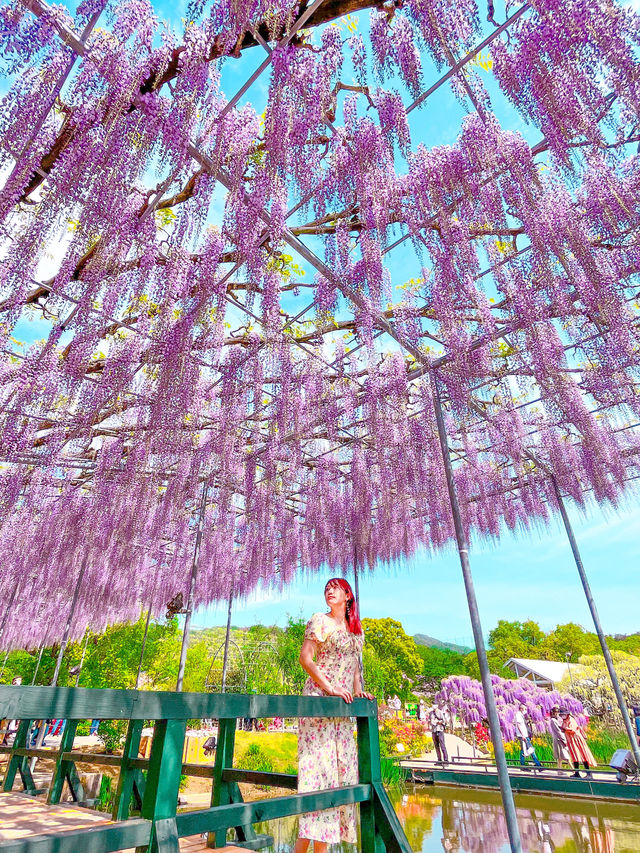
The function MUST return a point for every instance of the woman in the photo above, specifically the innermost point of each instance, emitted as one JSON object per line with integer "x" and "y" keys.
{"x": 577, "y": 744}
{"x": 327, "y": 756}
{"x": 560, "y": 751}
{"x": 482, "y": 734}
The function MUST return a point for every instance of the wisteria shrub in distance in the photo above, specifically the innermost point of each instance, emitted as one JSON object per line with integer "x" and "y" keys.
{"x": 465, "y": 699}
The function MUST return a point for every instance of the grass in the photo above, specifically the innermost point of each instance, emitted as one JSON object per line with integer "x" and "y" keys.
{"x": 603, "y": 743}
{"x": 279, "y": 748}
{"x": 391, "y": 774}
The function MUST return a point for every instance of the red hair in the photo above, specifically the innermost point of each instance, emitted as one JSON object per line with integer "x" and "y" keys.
{"x": 352, "y": 613}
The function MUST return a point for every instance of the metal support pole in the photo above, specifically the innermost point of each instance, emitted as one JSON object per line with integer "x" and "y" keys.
{"x": 144, "y": 644}
{"x": 356, "y": 585}
{"x": 225, "y": 659}
{"x": 463, "y": 551}
{"x": 67, "y": 628}
{"x": 63, "y": 644}
{"x": 35, "y": 671}
{"x": 192, "y": 587}
{"x": 597, "y": 624}
{"x": 356, "y": 592}
{"x": 84, "y": 651}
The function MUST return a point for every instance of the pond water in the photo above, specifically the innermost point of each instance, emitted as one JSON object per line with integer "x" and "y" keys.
{"x": 459, "y": 820}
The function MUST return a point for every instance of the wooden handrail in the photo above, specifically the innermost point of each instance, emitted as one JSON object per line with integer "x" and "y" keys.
{"x": 96, "y": 839}
{"x": 221, "y": 817}
{"x": 152, "y": 784}
{"x": 80, "y": 703}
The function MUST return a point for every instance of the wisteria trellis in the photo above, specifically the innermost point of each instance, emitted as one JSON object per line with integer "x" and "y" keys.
{"x": 185, "y": 350}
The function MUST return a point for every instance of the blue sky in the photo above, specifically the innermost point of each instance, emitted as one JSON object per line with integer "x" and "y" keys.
{"x": 528, "y": 576}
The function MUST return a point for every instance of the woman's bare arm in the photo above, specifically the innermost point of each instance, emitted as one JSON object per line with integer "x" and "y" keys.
{"x": 307, "y": 655}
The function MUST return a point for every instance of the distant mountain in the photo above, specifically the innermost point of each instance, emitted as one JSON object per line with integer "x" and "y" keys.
{"x": 426, "y": 640}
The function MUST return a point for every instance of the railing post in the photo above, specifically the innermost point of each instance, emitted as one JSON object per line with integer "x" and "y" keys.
{"x": 128, "y": 774}
{"x": 380, "y": 828}
{"x": 369, "y": 772}
{"x": 160, "y": 802}
{"x": 221, "y": 794}
{"x": 19, "y": 763}
{"x": 65, "y": 769}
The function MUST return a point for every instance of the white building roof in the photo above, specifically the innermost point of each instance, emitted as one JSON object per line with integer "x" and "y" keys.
{"x": 552, "y": 671}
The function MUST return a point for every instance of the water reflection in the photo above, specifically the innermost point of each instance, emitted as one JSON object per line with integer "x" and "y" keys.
{"x": 463, "y": 821}
{"x": 467, "y": 821}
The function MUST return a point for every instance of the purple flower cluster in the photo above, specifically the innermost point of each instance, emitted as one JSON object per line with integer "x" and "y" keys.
{"x": 465, "y": 699}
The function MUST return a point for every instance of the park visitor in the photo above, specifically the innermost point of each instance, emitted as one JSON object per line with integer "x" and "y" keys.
{"x": 396, "y": 705}
{"x": 636, "y": 719}
{"x": 560, "y": 749}
{"x": 577, "y": 744}
{"x": 437, "y": 721}
{"x": 482, "y": 734}
{"x": 327, "y": 755}
{"x": 11, "y": 726}
{"x": 422, "y": 711}
{"x": 527, "y": 749}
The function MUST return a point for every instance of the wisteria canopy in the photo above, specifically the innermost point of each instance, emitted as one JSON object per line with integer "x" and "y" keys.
{"x": 253, "y": 248}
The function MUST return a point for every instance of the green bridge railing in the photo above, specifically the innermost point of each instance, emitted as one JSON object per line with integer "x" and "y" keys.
{"x": 151, "y": 785}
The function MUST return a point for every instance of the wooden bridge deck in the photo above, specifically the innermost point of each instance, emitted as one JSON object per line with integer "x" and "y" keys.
{"x": 23, "y": 817}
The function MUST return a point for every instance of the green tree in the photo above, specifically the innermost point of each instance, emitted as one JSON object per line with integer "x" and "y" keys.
{"x": 495, "y": 661}
{"x": 111, "y": 659}
{"x": 439, "y": 663}
{"x": 19, "y": 663}
{"x": 397, "y": 652}
{"x": 569, "y": 639}
{"x": 516, "y": 639}
{"x": 374, "y": 673}
{"x": 630, "y": 644}
{"x": 288, "y": 645}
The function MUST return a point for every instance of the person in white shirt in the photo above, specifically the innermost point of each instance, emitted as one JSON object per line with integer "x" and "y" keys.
{"x": 437, "y": 722}
{"x": 523, "y": 734}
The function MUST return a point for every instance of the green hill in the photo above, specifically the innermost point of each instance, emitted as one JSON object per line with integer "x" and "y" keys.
{"x": 432, "y": 642}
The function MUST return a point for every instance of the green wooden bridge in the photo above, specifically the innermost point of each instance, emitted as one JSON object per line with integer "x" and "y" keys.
{"x": 145, "y": 813}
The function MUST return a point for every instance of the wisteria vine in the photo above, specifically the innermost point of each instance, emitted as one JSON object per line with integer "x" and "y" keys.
{"x": 219, "y": 289}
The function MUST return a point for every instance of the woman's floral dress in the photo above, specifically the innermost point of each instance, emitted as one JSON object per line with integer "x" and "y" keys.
{"x": 327, "y": 754}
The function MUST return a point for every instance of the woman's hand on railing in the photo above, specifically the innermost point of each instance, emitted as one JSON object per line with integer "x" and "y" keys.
{"x": 360, "y": 694}
{"x": 341, "y": 694}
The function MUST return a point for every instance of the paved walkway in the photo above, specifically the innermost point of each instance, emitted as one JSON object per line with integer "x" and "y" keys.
{"x": 455, "y": 746}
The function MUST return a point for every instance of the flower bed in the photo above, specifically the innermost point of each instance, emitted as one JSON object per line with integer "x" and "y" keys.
{"x": 403, "y": 738}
